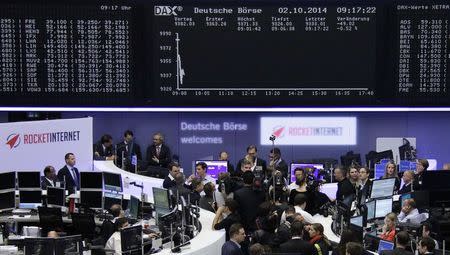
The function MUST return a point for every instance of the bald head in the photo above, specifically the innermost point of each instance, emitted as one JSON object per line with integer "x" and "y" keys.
{"x": 116, "y": 211}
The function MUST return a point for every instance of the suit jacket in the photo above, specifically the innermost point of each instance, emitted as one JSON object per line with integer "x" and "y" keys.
{"x": 168, "y": 183}
{"x": 46, "y": 183}
{"x": 164, "y": 156}
{"x": 64, "y": 173}
{"x": 364, "y": 192}
{"x": 396, "y": 251}
{"x": 297, "y": 246}
{"x": 231, "y": 248}
{"x": 133, "y": 149}
{"x": 248, "y": 200}
{"x": 106, "y": 152}
{"x": 405, "y": 189}
{"x": 259, "y": 162}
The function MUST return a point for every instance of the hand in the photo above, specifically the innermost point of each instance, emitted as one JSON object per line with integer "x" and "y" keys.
{"x": 221, "y": 209}
{"x": 153, "y": 235}
{"x": 111, "y": 157}
{"x": 191, "y": 177}
{"x": 384, "y": 229}
{"x": 155, "y": 159}
{"x": 97, "y": 154}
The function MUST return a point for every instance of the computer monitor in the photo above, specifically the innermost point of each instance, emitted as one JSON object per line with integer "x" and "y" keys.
{"x": 56, "y": 196}
{"x": 8, "y": 180}
{"x": 436, "y": 180}
{"x": 370, "y": 210}
{"x": 385, "y": 246}
{"x": 91, "y": 180}
{"x": 383, "y": 207}
{"x": 7, "y": 200}
{"x": 131, "y": 238}
{"x": 215, "y": 167}
{"x": 358, "y": 231}
{"x": 28, "y": 180}
{"x": 382, "y": 188}
{"x": 30, "y": 199}
{"x": 357, "y": 220}
{"x": 69, "y": 245}
{"x": 111, "y": 199}
{"x": 133, "y": 207}
{"x": 112, "y": 181}
{"x": 315, "y": 169}
{"x": 161, "y": 198}
{"x": 91, "y": 199}
{"x": 40, "y": 246}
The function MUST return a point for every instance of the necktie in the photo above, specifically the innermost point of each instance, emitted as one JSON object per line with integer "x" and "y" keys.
{"x": 158, "y": 150}
{"x": 75, "y": 177}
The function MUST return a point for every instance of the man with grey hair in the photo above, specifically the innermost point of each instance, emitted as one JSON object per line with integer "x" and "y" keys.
{"x": 158, "y": 154}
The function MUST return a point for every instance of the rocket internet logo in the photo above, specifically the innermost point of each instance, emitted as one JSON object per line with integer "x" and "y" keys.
{"x": 13, "y": 141}
{"x": 278, "y": 131}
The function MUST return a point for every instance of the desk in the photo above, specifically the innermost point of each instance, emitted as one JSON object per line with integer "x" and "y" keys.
{"x": 35, "y": 219}
{"x": 127, "y": 177}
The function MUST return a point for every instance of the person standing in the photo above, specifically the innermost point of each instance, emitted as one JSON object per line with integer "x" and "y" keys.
{"x": 69, "y": 174}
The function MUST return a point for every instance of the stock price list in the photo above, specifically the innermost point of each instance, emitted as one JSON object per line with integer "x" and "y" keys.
{"x": 65, "y": 54}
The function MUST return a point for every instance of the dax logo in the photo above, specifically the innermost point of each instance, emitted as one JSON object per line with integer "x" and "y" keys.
{"x": 161, "y": 10}
{"x": 13, "y": 140}
{"x": 278, "y": 131}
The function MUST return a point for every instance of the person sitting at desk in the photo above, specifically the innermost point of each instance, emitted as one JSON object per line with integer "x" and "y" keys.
{"x": 421, "y": 167}
{"x": 128, "y": 148}
{"x": 169, "y": 181}
{"x": 391, "y": 172}
{"x": 108, "y": 227}
{"x": 237, "y": 236}
{"x": 408, "y": 180}
{"x": 114, "y": 242}
{"x": 49, "y": 179}
{"x": 409, "y": 213}
{"x": 426, "y": 246}
{"x": 401, "y": 242}
{"x": 158, "y": 153}
{"x": 388, "y": 229}
{"x": 103, "y": 150}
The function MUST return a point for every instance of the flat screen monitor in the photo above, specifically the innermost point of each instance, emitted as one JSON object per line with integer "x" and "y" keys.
{"x": 314, "y": 168}
{"x": 8, "y": 180}
{"x": 110, "y": 200}
{"x": 28, "y": 180}
{"x": 133, "y": 207}
{"x": 358, "y": 231}
{"x": 383, "y": 207}
{"x": 382, "y": 188}
{"x": 385, "y": 246}
{"x": 69, "y": 245}
{"x": 112, "y": 181}
{"x": 40, "y": 246}
{"x": 357, "y": 220}
{"x": 30, "y": 199}
{"x": 131, "y": 239}
{"x": 56, "y": 196}
{"x": 370, "y": 210}
{"x": 215, "y": 167}
{"x": 379, "y": 170}
{"x": 436, "y": 180}
{"x": 7, "y": 200}
{"x": 161, "y": 198}
{"x": 91, "y": 199}
{"x": 91, "y": 180}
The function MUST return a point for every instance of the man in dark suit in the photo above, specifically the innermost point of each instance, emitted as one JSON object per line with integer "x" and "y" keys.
{"x": 158, "y": 154}
{"x": 408, "y": 182}
{"x": 169, "y": 181}
{"x": 297, "y": 245}
{"x": 103, "y": 150}
{"x": 421, "y": 167}
{"x": 49, "y": 179}
{"x": 248, "y": 199}
{"x": 223, "y": 155}
{"x": 345, "y": 191}
{"x": 401, "y": 242}
{"x": 69, "y": 174}
{"x": 277, "y": 163}
{"x": 128, "y": 148}
{"x": 364, "y": 186}
{"x": 258, "y": 164}
{"x": 237, "y": 236}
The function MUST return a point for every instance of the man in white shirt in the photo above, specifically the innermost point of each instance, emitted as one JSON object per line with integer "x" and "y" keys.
{"x": 201, "y": 169}
{"x": 410, "y": 213}
{"x": 114, "y": 242}
{"x": 300, "y": 205}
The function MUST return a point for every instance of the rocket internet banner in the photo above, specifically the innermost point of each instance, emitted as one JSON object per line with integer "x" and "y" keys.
{"x": 309, "y": 130}
{"x": 32, "y": 145}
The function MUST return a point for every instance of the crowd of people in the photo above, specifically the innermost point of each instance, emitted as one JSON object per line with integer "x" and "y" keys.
{"x": 261, "y": 215}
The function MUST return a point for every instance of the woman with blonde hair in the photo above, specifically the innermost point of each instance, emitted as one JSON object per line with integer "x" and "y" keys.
{"x": 388, "y": 230}
{"x": 390, "y": 171}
